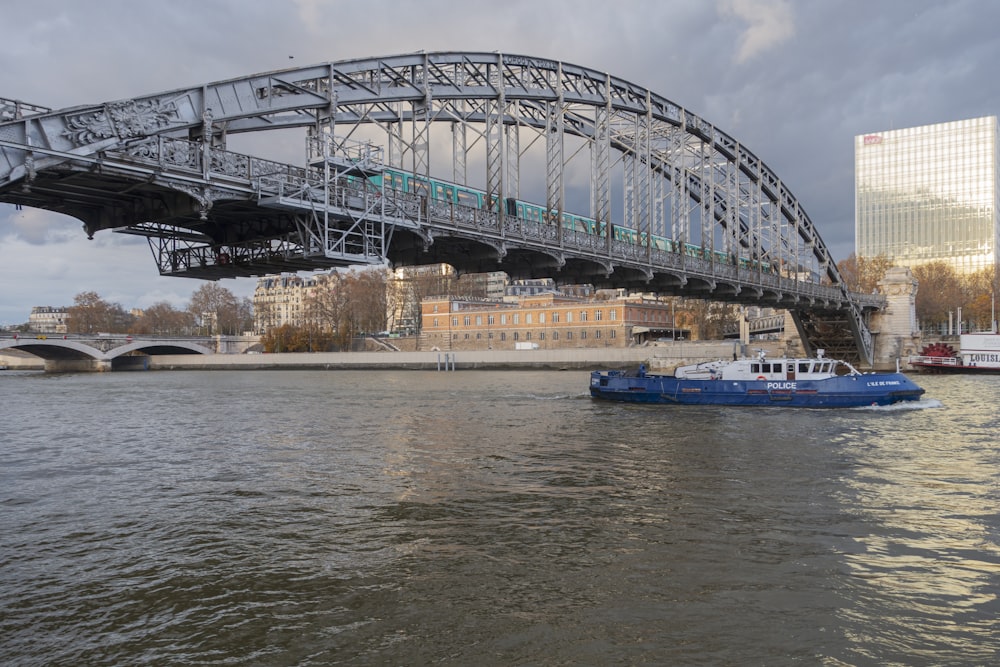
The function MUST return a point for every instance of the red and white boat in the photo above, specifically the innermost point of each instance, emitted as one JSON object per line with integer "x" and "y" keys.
{"x": 977, "y": 353}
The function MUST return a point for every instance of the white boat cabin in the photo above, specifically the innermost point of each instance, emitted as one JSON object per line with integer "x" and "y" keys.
{"x": 762, "y": 368}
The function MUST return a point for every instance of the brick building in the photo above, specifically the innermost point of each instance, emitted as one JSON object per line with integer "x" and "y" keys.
{"x": 548, "y": 320}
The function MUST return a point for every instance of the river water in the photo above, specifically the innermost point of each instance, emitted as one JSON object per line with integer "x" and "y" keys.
{"x": 488, "y": 518}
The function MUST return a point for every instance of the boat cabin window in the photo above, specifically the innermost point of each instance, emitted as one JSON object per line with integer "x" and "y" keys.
{"x": 755, "y": 368}
{"x": 803, "y": 366}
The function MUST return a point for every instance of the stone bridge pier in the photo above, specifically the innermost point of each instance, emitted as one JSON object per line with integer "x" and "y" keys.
{"x": 896, "y": 334}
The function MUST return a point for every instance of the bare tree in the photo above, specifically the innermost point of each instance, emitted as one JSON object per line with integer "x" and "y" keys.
{"x": 979, "y": 291}
{"x": 709, "y": 318}
{"x": 217, "y": 309}
{"x": 862, "y": 274}
{"x": 939, "y": 292}
{"x": 348, "y": 304}
{"x": 91, "y": 314}
{"x": 164, "y": 320}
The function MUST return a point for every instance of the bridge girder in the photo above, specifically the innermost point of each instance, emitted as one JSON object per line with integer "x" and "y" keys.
{"x": 683, "y": 178}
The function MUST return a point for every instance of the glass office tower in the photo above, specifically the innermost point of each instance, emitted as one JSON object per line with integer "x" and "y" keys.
{"x": 928, "y": 193}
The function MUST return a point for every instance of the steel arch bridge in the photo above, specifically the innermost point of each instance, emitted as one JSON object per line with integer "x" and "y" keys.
{"x": 480, "y": 160}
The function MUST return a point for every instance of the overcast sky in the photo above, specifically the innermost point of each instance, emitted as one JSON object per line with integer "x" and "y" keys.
{"x": 793, "y": 80}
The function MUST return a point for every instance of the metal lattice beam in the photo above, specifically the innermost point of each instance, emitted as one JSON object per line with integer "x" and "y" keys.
{"x": 680, "y": 174}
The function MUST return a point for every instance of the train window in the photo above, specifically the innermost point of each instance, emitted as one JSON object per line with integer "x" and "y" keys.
{"x": 467, "y": 198}
{"x": 419, "y": 186}
{"x": 443, "y": 192}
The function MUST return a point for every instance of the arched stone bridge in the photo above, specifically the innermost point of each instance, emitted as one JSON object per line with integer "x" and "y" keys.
{"x": 464, "y": 158}
{"x": 115, "y": 351}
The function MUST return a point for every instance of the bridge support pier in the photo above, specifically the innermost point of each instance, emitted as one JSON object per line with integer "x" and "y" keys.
{"x": 897, "y": 334}
{"x": 77, "y": 365}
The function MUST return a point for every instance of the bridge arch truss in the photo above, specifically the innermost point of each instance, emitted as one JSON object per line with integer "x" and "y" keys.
{"x": 511, "y": 126}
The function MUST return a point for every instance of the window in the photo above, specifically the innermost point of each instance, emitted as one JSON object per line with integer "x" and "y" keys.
{"x": 479, "y": 320}
{"x": 598, "y": 315}
{"x": 454, "y": 321}
{"x": 555, "y": 318}
{"x": 466, "y": 320}
{"x": 527, "y": 318}
{"x": 489, "y": 320}
{"x": 583, "y": 316}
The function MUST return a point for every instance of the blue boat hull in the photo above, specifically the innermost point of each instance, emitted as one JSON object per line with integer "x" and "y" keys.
{"x": 839, "y": 392}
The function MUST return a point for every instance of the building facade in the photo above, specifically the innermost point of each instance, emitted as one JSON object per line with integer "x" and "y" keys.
{"x": 46, "y": 319}
{"x": 281, "y": 299}
{"x": 547, "y": 321}
{"x": 929, "y": 193}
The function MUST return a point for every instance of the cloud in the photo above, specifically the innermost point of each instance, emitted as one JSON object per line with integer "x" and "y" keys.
{"x": 770, "y": 23}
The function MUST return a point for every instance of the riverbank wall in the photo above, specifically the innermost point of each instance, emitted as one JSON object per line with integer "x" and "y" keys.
{"x": 656, "y": 357}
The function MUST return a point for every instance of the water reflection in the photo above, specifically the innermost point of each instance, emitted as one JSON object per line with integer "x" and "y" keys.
{"x": 488, "y": 518}
{"x": 923, "y": 494}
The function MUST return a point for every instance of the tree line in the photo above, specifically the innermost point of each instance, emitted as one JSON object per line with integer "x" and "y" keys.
{"x": 343, "y": 305}
{"x": 212, "y": 310}
{"x": 941, "y": 290}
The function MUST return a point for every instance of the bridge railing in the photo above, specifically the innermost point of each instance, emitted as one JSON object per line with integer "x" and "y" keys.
{"x": 190, "y": 156}
{"x": 14, "y": 109}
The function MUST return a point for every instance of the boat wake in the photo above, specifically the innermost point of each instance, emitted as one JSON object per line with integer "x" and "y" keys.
{"x": 904, "y": 406}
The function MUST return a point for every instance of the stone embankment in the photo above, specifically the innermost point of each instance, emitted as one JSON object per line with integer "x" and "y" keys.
{"x": 658, "y": 357}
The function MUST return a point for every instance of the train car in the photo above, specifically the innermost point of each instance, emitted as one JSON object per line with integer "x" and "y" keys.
{"x": 461, "y": 195}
